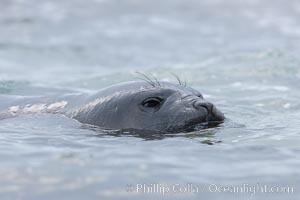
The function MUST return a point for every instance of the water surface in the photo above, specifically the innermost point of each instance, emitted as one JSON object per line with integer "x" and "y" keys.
{"x": 242, "y": 55}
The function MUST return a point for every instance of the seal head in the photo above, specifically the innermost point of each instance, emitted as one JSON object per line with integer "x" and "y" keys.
{"x": 164, "y": 107}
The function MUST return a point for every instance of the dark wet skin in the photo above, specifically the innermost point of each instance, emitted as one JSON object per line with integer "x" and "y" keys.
{"x": 163, "y": 107}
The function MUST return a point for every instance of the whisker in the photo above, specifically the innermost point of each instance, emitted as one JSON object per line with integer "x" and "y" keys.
{"x": 178, "y": 79}
{"x": 147, "y": 79}
{"x": 155, "y": 78}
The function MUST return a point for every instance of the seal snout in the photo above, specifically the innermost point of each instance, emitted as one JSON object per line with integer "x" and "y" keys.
{"x": 203, "y": 104}
{"x": 213, "y": 114}
{"x": 217, "y": 114}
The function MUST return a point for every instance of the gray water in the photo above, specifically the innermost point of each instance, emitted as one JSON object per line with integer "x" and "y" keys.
{"x": 242, "y": 55}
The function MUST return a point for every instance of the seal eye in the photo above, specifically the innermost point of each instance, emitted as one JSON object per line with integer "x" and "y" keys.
{"x": 152, "y": 102}
{"x": 200, "y": 96}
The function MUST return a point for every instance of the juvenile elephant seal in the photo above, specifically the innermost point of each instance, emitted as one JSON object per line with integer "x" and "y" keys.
{"x": 138, "y": 105}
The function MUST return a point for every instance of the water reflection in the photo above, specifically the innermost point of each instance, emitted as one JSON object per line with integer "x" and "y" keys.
{"x": 207, "y": 134}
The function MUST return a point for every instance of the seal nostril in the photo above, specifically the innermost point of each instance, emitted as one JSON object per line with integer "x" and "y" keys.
{"x": 218, "y": 115}
{"x": 203, "y": 104}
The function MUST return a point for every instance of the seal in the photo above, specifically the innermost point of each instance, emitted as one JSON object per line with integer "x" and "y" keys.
{"x": 137, "y": 105}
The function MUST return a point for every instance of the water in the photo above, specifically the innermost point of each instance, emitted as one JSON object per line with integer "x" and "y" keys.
{"x": 242, "y": 55}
